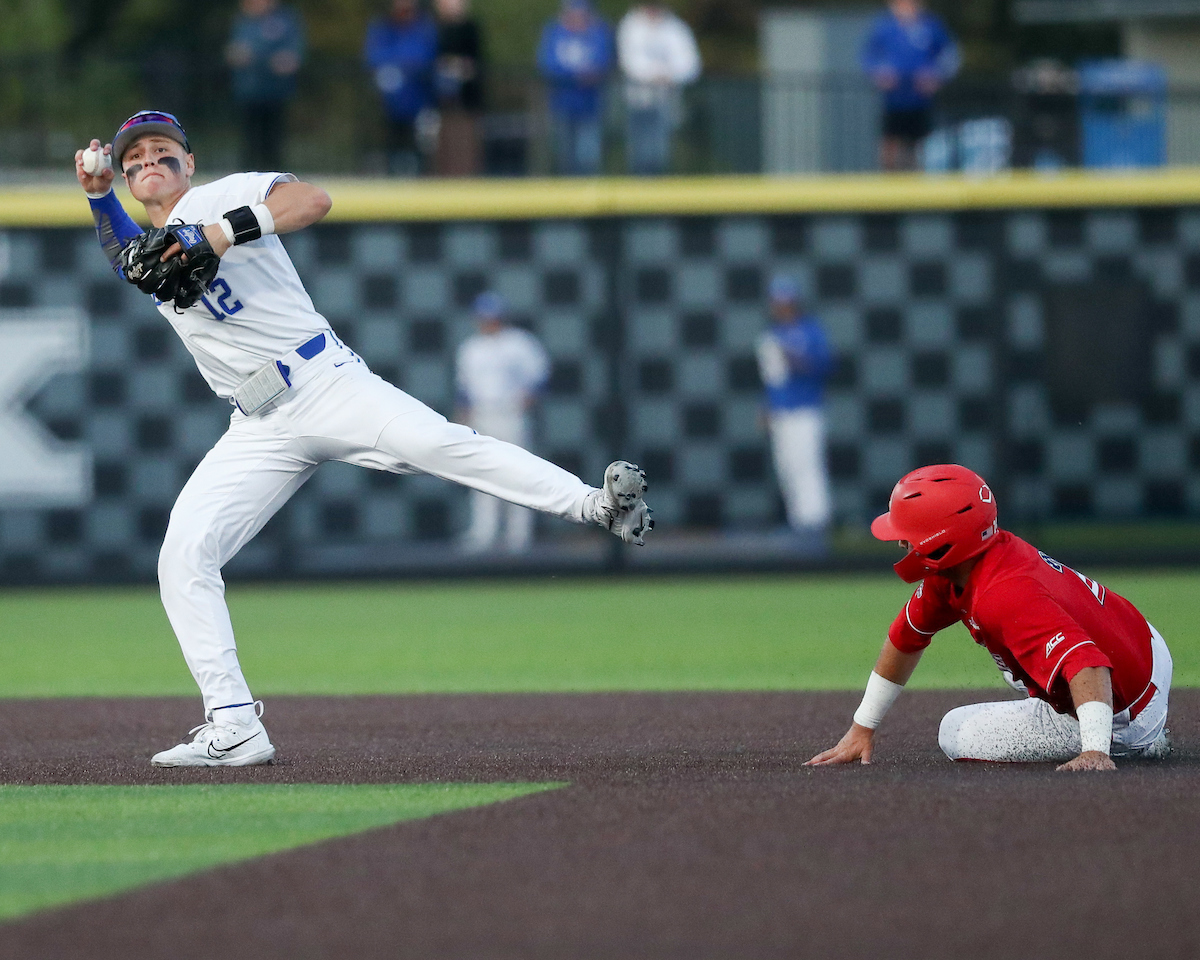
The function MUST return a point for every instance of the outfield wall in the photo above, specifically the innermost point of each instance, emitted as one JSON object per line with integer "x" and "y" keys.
{"x": 1043, "y": 331}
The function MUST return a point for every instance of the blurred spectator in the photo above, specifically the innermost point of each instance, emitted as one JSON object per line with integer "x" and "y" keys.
{"x": 401, "y": 50}
{"x": 909, "y": 55}
{"x": 499, "y": 372}
{"x": 576, "y": 56}
{"x": 794, "y": 360}
{"x": 459, "y": 90}
{"x": 265, "y": 49}
{"x": 1048, "y": 125}
{"x": 658, "y": 54}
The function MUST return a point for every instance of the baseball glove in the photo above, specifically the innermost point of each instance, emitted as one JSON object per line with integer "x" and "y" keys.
{"x": 184, "y": 278}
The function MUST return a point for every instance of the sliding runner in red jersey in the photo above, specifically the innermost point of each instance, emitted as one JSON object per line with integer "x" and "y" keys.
{"x": 1096, "y": 674}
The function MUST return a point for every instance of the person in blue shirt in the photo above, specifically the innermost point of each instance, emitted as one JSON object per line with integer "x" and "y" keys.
{"x": 794, "y": 361}
{"x": 401, "y": 51}
{"x": 575, "y": 56}
{"x": 265, "y": 50}
{"x": 909, "y": 54}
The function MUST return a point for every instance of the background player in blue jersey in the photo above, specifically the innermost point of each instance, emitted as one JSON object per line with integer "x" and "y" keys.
{"x": 301, "y": 397}
{"x": 794, "y": 360}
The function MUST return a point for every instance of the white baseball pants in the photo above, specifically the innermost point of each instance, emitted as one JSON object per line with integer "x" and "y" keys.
{"x": 488, "y": 513}
{"x": 336, "y": 410}
{"x": 798, "y": 444}
{"x": 1030, "y": 731}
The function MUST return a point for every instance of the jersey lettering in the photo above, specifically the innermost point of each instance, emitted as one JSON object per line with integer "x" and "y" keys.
{"x": 1053, "y": 642}
{"x": 1052, "y": 562}
{"x": 223, "y": 299}
{"x": 1097, "y": 590}
{"x": 216, "y": 314}
{"x": 220, "y": 290}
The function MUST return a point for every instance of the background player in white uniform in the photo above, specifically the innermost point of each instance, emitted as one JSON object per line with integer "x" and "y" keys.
{"x": 256, "y": 319}
{"x": 794, "y": 361}
{"x": 499, "y": 372}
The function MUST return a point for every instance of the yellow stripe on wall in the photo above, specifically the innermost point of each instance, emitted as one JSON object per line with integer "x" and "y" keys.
{"x": 362, "y": 200}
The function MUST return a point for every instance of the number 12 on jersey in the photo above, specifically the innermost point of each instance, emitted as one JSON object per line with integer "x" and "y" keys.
{"x": 219, "y": 291}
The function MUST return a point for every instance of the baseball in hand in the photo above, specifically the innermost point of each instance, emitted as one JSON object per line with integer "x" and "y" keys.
{"x": 95, "y": 161}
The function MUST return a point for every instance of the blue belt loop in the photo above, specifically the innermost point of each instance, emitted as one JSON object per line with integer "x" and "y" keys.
{"x": 312, "y": 348}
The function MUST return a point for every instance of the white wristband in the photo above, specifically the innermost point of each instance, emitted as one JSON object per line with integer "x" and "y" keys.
{"x": 878, "y": 699}
{"x": 1095, "y": 726}
{"x": 227, "y": 229}
{"x": 266, "y": 222}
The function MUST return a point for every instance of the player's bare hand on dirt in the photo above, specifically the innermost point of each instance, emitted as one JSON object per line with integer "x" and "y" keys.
{"x": 1090, "y": 760}
{"x": 98, "y": 181}
{"x": 857, "y": 744}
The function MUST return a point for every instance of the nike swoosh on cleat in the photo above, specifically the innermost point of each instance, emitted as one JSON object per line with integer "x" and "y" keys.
{"x": 221, "y": 750}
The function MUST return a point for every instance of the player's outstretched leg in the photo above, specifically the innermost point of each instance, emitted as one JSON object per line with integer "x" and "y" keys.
{"x": 618, "y": 505}
{"x": 1009, "y": 731}
{"x": 231, "y": 737}
{"x": 414, "y": 436}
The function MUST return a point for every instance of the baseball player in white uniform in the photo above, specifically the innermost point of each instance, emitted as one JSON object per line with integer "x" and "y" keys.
{"x": 499, "y": 372}
{"x": 794, "y": 361}
{"x": 301, "y": 397}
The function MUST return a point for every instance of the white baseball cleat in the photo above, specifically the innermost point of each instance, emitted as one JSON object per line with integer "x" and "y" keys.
{"x": 222, "y": 744}
{"x": 618, "y": 505}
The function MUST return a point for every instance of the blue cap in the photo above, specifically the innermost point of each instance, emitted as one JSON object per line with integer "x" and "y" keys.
{"x": 490, "y": 304}
{"x": 146, "y": 122}
{"x": 786, "y": 288}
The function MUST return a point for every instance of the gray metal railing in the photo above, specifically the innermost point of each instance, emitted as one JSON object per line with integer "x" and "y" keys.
{"x": 728, "y": 124}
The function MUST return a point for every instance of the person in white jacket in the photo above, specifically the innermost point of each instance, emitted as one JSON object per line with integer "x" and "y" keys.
{"x": 499, "y": 372}
{"x": 658, "y": 55}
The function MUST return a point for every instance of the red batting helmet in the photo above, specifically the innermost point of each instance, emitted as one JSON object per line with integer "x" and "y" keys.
{"x": 946, "y": 512}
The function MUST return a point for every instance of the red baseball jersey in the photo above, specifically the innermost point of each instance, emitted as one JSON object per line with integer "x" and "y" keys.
{"x": 1038, "y": 619}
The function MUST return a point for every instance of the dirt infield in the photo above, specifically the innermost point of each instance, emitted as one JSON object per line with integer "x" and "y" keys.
{"x": 690, "y": 830}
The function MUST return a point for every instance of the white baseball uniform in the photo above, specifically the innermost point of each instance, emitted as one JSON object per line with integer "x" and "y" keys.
{"x": 793, "y": 362}
{"x": 497, "y": 374}
{"x": 257, "y": 312}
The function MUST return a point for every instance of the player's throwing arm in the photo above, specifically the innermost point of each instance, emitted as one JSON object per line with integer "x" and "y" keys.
{"x": 1094, "y": 675}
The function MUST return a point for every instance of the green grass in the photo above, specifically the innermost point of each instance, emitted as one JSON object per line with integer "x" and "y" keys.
{"x": 716, "y": 633}
{"x": 64, "y": 843}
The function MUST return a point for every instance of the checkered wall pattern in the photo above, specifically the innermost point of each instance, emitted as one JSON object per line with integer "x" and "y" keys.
{"x": 946, "y": 326}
